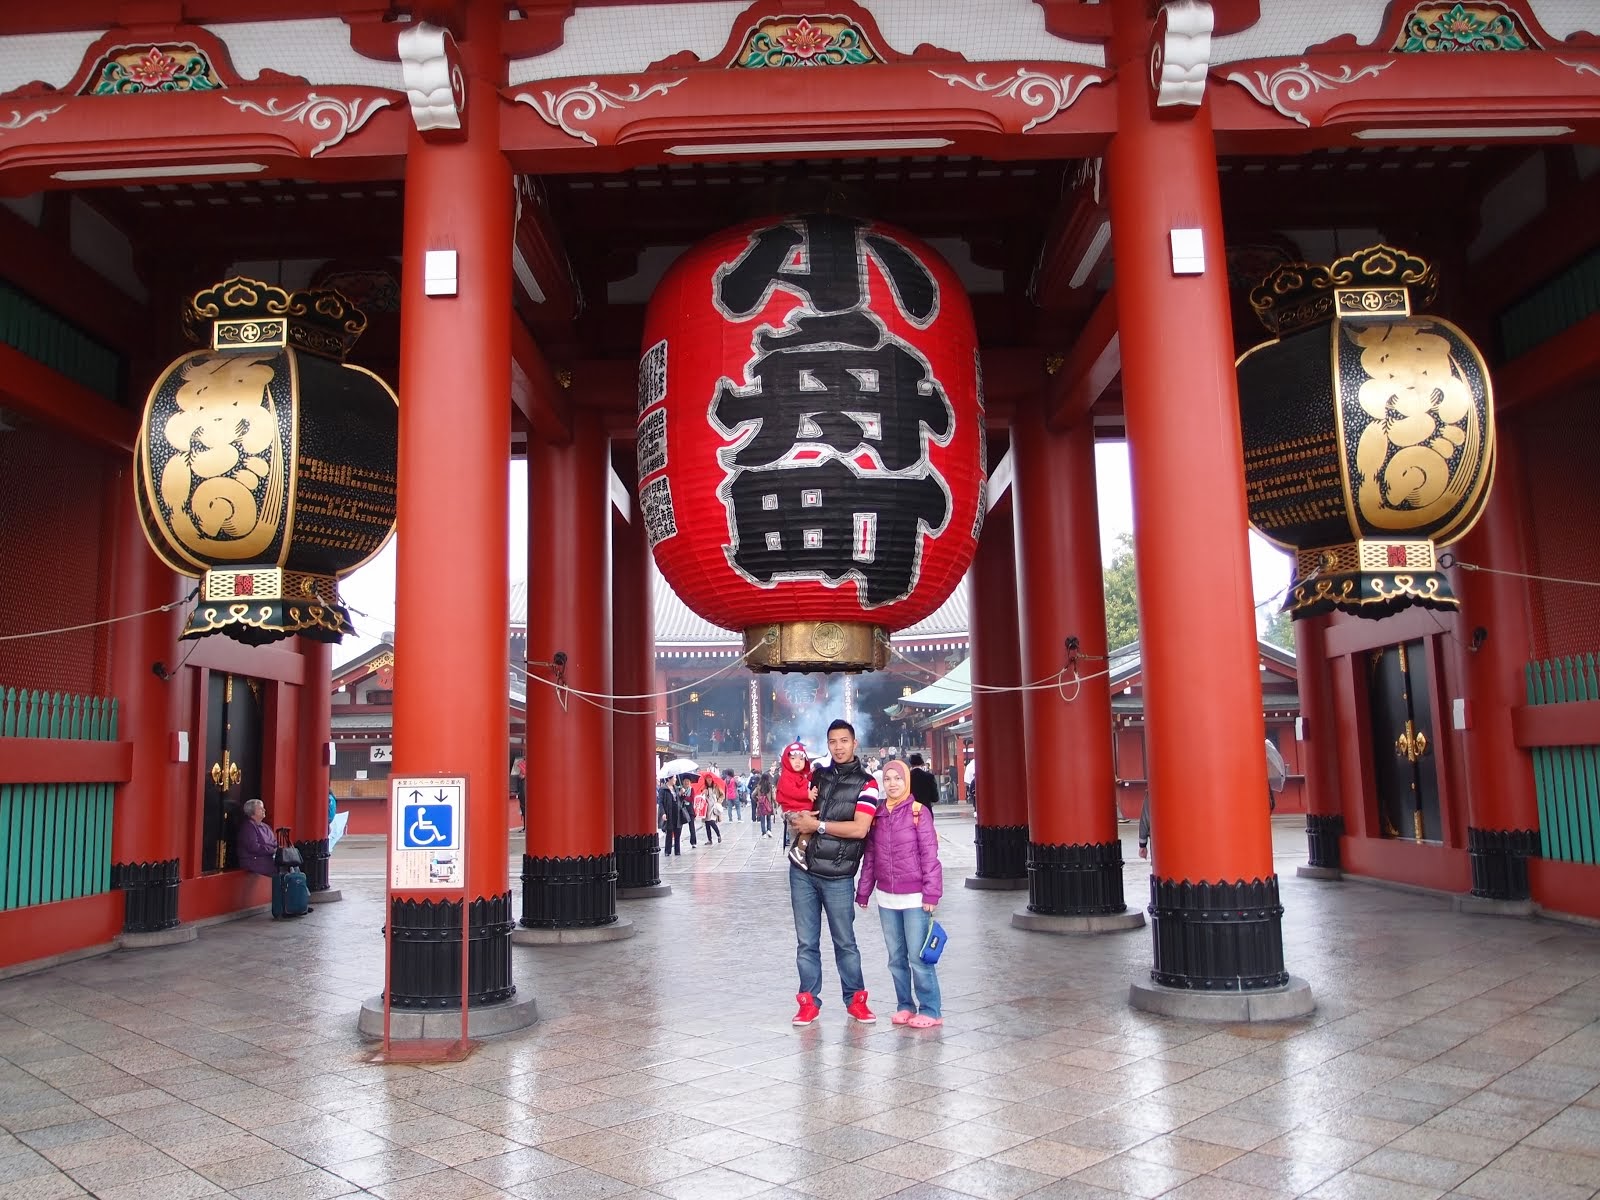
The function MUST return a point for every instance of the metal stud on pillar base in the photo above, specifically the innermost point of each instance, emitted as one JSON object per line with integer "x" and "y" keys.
{"x": 1002, "y": 858}
{"x": 1219, "y": 954}
{"x": 150, "y": 894}
{"x": 1323, "y": 831}
{"x": 639, "y": 866}
{"x": 1076, "y": 889}
{"x": 314, "y": 862}
{"x": 425, "y": 972}
{"x": 1500, "y": 862}
{"x": 570, "y": 900}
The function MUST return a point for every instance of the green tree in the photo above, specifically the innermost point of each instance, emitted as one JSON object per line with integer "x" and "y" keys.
{"x": 1280, "y": 630}
{"x": 1122, "y": 595}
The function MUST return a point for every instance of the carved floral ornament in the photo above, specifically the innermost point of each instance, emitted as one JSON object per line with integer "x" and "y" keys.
{"x": 18, "y": 118}
{"x": 568, "y": 111}
{"x": 824, "y": 42}
{"x": 146, "y": 69}
{"x": 1048, "y": 93}
{"x": 1285, "y": 88}
{"x": 1442, "y": 28}
{"x": 339, "y": 117}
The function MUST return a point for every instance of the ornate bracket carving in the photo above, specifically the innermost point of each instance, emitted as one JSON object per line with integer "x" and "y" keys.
{"x": 1035, "y": 89}
{"x": 1180, "y": 53}
{"x": 320, "y": 113}
{"x": 19, "y": 119}
{"x": 584, "y": 103}
{"x": 1582, "y": 68}
{"x": 1284, "y": 88}
{"x": 431, "y": 67}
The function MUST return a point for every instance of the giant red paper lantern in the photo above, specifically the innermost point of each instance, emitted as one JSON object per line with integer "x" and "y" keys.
{"x": 811, "y": 446}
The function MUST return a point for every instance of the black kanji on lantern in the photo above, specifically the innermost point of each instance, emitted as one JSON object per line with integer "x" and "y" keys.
{"x": 820, "y": 257}
{"x": 828, "y": 520}
{"x": 838, "y": 394}
{"x": 831, "y": 479}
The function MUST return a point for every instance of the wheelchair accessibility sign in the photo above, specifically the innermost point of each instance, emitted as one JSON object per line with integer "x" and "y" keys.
{"x": 426, "y": 834}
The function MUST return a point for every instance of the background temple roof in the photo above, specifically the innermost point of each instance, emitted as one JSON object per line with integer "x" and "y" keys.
{"x": 677, "y": 624}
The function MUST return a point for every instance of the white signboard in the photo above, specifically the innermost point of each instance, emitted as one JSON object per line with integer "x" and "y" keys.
{"x": 428, "y": 829}
{"x": 383, "y": 754}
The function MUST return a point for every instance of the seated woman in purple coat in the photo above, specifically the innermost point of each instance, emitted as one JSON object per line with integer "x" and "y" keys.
{"x": 257, "y": 845}
{"x": 901, "y": 861}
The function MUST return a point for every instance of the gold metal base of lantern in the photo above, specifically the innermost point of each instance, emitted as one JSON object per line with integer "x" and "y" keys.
{"x": 259, "y": 605}
{"x": 1369, "y": 578}
{"x": 817, "y": 646}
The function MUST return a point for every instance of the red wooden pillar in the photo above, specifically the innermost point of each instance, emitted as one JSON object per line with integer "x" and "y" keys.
{"x": 633, "y": 725}
{"x": 311, "y": 784}
{"x": 1503, "y": 808}
{"x": 451, "y": 700}
{"x": 147, "y": 829}
{"x": 1215, "y": 916}
{"x": 1002, "y": 777}
{"x": 1319, "y": 750}
{"x": 569, "y": 874}
{"x": 1074, "y": 853}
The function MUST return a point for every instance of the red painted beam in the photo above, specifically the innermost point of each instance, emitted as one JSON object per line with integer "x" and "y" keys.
{"x": 1091, "y": 368}
{"x": 54, "y": 760}
{"x": 224, "y": 654}
{"x": 1576, "y": 724}
{"x": 535, "y": 392}
{"x": 1566, "y": 360}
{"x": 33, "y": 388}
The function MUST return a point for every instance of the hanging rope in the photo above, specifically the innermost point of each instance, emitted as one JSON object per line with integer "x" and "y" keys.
{"x": 37, "y": 633}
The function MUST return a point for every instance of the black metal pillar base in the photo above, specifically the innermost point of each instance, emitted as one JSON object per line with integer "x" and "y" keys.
{"x": 1217, "y": 937}
{"x": 1002, "y": 851}
{"x": 149, "y": 895}
{"x": 425, "y": 953}
{"x": 1323, "y": 831}
{"x": 638, "y": 860}
{"x": 569, "y": 893}
{"x": 1500, "y": 862}
{"x": 314, "y": 862}
{"x": 1075, "y": 881}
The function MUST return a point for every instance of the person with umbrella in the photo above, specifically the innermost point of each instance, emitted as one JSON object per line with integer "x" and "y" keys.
{"x": 671, "y": 818}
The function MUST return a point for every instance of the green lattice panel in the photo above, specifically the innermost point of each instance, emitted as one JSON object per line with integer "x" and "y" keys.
{"x": 1567, "y": 778}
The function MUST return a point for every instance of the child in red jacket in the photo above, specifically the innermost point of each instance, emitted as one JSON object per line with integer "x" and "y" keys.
{"x": 796, "y": 795}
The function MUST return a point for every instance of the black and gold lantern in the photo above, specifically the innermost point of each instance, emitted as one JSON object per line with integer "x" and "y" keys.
{"x": 265, "y": 465}
{"x": 1368, "y": 432}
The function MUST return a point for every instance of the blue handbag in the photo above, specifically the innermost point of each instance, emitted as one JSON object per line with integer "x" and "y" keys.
{"x": 933, "y": 944}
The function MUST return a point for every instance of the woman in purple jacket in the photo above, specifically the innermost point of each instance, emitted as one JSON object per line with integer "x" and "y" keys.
{"x": 901, "y": 861}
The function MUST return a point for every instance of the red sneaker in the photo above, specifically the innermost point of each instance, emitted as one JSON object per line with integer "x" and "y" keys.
{"x": 810, "y": 1010}
{"x": 858, "y": 1009}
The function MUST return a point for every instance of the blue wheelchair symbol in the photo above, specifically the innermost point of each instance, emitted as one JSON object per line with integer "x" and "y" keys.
{"x": 425, "y": 826}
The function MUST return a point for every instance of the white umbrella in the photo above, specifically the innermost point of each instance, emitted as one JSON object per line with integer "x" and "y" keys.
{"x": 678, "y": 766}
{"x": 1277, "y": 770}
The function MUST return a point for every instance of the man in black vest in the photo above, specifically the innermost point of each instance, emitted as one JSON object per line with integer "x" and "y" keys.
{"x": 847, "y": 799}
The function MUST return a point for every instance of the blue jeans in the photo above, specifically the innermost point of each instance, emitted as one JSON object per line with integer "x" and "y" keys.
{"x": 810, "y": 897}
{"x": 904, "y": 931}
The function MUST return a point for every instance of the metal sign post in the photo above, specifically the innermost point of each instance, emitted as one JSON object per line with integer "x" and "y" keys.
{"x": 427, "y": 853}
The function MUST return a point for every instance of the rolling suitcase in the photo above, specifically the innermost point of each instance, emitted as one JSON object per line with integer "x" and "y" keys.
{"x": 291, "y": 896}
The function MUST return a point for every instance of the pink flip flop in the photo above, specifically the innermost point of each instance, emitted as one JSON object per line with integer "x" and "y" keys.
{"x": 901, "y": 1017}
{"x": 924, "y": 1022}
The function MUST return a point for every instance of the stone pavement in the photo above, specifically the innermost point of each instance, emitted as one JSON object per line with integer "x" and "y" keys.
{"x": 1449, "y": 1055}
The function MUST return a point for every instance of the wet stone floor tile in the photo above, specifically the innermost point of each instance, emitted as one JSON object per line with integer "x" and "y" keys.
{"x": 1451, "y": 1055}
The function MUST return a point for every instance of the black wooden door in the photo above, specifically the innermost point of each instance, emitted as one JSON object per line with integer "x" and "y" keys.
{"x": 232, "y": 763}
{"x": 1405, "y": 767}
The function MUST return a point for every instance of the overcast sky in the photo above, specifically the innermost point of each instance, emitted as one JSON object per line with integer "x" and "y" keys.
{"x": 371, "y": 589}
